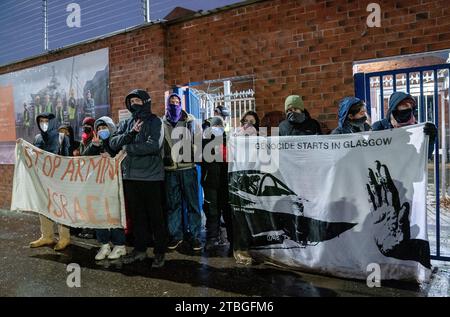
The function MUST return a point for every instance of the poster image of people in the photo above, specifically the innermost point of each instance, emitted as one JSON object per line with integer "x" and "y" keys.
{"x": 71, "y": 89}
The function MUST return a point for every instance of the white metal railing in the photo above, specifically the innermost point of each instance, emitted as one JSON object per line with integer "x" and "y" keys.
{"x": 238, "y": 103}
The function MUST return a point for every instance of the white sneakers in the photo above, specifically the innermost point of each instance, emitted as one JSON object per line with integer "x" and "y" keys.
{"x": 104, "y": 251}
{"x": 117, "y": 252}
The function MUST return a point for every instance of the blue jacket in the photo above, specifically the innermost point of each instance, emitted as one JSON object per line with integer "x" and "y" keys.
{"x": 344, "y": 126}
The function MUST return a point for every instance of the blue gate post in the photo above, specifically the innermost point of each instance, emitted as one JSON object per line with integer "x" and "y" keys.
{"x": 193, "y": 107}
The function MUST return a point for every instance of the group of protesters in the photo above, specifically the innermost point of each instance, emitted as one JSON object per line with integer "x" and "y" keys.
{"x": 161, "y": 182}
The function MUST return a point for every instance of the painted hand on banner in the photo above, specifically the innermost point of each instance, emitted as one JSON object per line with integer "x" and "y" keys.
{"x": 392, "y": 225}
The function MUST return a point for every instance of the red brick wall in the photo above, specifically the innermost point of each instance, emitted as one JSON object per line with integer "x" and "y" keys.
{"x": 304, "y": 47}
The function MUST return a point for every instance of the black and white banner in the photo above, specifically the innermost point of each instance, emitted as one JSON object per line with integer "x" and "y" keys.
{"x": 335, "y": 204}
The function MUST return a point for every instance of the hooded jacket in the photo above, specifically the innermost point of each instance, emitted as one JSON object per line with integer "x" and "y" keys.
{"x": 49, "y": 141}
{"x": 193, "y": 131}
{"x": 104, "y": 146}
{"x": 307, "y": 127}
{"x": 394, "y": 101}
{"x": 144, "y": 149}
{"x": 344, "y": 126}
{"x": 73, "y": 145}
{"x": 175, "y": 162}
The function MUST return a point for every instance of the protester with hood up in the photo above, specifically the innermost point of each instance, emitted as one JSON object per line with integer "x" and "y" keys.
{"x": 352, "y": 116}
{"x": 86, "y": 140}
{"x": 88, "y": 134}
{"x": 401, "y": 114}
{"x": 298, "y": 121}
{"x": 214, "y": 180}
{"x": 49, "y": 140}
{"x": 181, "y": 173}
{"x": 67, "y": 130}
{"x": 104, "y": 128}
{"x": 141, "y": 137}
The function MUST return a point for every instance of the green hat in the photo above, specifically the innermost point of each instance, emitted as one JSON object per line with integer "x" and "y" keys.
{"x": 294, "y": 101}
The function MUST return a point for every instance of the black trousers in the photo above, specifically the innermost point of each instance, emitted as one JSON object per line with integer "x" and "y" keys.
{"x": 144, "y": 203}
{"x": 216, "y": 204}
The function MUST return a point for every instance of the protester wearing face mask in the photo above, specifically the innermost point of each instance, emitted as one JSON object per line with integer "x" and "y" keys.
{"x": 401, "y": 114}
{"x": 298, "y": 121}
{"x": 249, "y": 124}
{"x": 49, "y": 140}
{"x": 67, "y": 130}
{"x": 181, "y": 174}
{"x": 104, "y": 128}
{"x": 141, "y": 137}
{"x": 352, "y": 116}
{"x": 88, "y": 134}
{"x": 214, "y": 180}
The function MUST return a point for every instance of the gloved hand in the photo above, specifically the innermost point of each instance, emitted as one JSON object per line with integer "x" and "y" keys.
{"x": 430, "y": 130}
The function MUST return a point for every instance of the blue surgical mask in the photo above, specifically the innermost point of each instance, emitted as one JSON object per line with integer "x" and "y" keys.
{"x": 103, "y": 134}
{"x": 217, "y": 131}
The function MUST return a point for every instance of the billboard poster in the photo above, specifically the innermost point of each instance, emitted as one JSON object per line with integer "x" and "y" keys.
{"x": 71, "y": 88}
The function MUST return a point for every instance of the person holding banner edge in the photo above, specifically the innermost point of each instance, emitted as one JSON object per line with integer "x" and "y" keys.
{"x": 401, "y": 114}
{"x": 104, "y": 127}
{"x": 49, "y": 140}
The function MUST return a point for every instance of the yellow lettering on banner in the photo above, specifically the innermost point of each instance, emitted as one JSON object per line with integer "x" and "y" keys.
{"x": 69, "y": 170}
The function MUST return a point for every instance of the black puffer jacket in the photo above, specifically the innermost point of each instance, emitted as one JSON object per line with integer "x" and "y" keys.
{"x": 50, "y": 140}
{"x": 308, "y": 127}
{"x": 144, "y": 149}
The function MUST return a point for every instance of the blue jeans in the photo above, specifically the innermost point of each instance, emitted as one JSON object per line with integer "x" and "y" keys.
{"x": 183, "y": 185}
{"x": 116, "y": 236}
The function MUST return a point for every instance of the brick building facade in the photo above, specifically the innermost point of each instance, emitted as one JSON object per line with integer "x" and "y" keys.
{"x": 306, "y": 47}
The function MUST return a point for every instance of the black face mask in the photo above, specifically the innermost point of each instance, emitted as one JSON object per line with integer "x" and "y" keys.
{"x": 402, "y": 116}
{"x": 358, "y": 122}
{"x": 296, "y": 117}
{"x": 87, "y": 130}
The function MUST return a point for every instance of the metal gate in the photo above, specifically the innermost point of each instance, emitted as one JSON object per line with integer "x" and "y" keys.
{"x": 430, "y": 88}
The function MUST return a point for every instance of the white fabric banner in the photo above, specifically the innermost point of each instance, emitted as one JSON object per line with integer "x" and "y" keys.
{"x": 84, "y": 191}
{"x": 345, "y": 205}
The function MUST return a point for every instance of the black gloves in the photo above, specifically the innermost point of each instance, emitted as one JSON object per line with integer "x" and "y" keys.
{"x": 430, "y": 130}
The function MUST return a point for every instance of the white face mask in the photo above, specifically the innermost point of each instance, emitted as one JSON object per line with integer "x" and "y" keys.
{"x": 217, "y": 131}
{"x": 44, "y": 126}
{"x": 61, "y": 137}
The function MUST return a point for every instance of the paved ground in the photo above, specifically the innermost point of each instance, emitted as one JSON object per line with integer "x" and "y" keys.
{"x": 42, "y": 272}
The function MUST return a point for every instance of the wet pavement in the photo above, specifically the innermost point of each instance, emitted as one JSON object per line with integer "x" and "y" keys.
{"x": 43, "y": 272}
